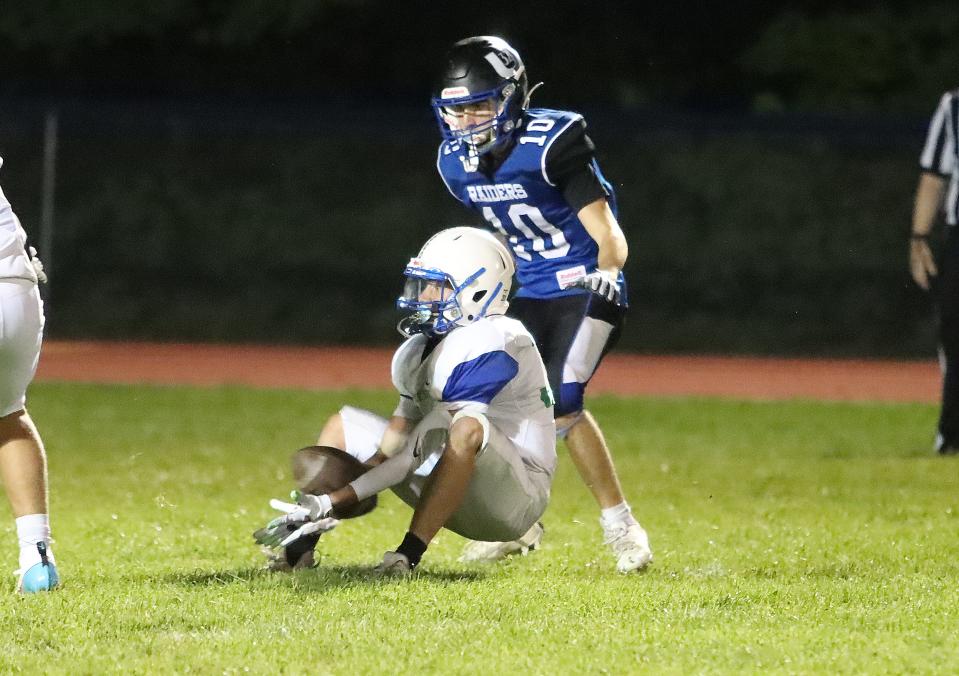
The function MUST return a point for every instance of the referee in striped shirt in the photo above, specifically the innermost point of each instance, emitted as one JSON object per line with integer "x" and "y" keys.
{"x": 939, "y": 179}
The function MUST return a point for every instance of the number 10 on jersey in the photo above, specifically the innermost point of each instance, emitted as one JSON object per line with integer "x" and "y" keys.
{"x": 527, "y": 224}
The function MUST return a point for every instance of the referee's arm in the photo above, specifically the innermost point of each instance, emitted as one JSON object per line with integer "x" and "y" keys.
{"x": 937, "y": 163}
{"x": 928, "y": 199}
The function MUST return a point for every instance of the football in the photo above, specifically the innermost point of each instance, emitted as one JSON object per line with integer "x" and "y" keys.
{"x": 324, "y": 469}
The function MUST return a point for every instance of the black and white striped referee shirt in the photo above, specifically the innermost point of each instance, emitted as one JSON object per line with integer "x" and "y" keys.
{"x": 940, "y": 155}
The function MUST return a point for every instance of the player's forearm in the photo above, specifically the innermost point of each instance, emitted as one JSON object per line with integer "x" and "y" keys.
{"x": 929, "y": 195}
{"x": 344, "y": 498}
{"x": 601, "y": 224}
{"x": 613, "y": 252}
{"x": 385, "y": 475}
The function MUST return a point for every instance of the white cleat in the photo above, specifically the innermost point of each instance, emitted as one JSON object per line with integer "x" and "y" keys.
{"x": 487, "y": 552}
{"x": 630, "y": 546}
{"x": 394, "y": 564}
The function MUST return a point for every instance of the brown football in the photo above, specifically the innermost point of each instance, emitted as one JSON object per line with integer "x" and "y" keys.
{"x": 324, "y": 469}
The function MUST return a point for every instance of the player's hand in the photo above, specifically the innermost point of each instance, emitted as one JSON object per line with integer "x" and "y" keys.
{"x": 304, "y": 517}
{"x": 602, "y": 283}
{"x": 288, "y": 533}
{"x": 922, "y": 265}
{"x": 37, "y": 265}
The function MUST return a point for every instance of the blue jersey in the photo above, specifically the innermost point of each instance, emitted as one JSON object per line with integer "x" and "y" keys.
{"x": 525, "y": 203}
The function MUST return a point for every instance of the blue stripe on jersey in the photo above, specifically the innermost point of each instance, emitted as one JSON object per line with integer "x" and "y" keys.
{"x": 480, "y": 379}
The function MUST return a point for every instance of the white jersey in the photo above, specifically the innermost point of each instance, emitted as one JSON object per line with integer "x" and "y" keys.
{"x": 491, "y": 366}
{"x": 14, "y": 262}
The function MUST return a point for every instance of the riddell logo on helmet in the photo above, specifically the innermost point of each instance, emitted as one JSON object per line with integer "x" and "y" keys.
{"x": 454, "y": 92}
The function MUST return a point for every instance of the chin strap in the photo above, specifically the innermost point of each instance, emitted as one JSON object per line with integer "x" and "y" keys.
{"x": 407, "y": 327}
{"x": 530, "y": 94}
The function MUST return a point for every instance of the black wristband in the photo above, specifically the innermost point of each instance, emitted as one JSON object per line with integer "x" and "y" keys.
{"x": 412, "y": 548}
{"x": 919, "y": 237}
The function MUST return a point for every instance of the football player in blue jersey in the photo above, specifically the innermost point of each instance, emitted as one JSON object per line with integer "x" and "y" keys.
{"x": 533, "y": 175}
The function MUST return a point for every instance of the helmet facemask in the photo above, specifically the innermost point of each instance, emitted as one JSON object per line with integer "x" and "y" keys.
{"x": 434, "y": 300}
{"x": 496, "y": 110}
{"x": 429, "y": 295}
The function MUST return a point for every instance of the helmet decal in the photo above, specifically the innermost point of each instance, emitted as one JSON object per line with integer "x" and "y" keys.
{"x": 504, "y": 64}
{"x": 454, "y": 92}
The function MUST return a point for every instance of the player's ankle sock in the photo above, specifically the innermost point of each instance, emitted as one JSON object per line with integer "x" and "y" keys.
{"x": 31, "y": 529}
{"x": 620, "y": 513}
{"x": 412, "y": 548}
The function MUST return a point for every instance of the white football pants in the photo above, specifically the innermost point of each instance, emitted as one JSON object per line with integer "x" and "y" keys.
{"x": 21, "y": 333}
{"x": 504, "y": 498}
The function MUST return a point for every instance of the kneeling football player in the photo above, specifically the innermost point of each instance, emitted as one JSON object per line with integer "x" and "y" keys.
{"x": 472, "y": 444}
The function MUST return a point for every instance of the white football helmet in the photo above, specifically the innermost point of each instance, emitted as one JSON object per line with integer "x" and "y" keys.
{"x": 459, "y": 276}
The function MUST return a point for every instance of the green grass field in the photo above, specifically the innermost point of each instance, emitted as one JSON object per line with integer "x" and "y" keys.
{"x": 789, "y": 537}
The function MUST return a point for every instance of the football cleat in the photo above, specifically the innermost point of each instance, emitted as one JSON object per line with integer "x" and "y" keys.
{"x": 39, "y": 577}
{"x": 944, "y": 447}
{"x": 299, "y": 554}
{"x": 630, "y": 545}
{"x": 394, "y": 564}
{"x": 477, "y": 551}
{"x": 284, "y": 561}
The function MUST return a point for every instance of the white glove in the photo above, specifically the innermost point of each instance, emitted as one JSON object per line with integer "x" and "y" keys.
{"x": 286, "y": 534}
{"x": 306, "y": 508}
{"x": 304, "y": 517}
{"x": 37, "y": 265}
{"x": 601, "y": 283}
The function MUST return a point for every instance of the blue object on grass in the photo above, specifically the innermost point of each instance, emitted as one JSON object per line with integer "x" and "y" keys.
{"x": 41, "y": 576}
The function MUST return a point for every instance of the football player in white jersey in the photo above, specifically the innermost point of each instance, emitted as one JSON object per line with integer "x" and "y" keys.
{"x": 471, "y": 445}
{"x": 23, "y": 464}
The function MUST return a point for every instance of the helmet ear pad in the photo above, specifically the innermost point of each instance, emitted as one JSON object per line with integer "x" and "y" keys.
{"x": 320, "y": 470}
